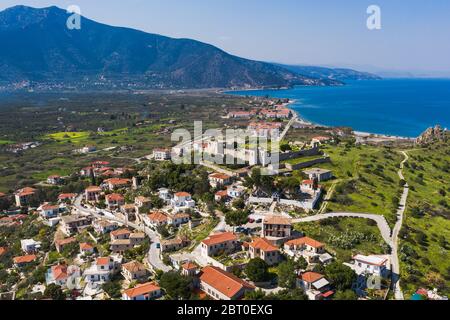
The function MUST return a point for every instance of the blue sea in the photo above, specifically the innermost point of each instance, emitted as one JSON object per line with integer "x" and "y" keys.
{"x": 399, "y": 107}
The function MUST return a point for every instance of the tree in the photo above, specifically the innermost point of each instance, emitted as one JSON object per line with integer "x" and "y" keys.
{"x": 345, "y": 295}
{"x": 236, "y": 218}
{"x": 255, "y": 295}
{"x": 113, "y": 289}
{"x": 288, "y": 294}
{"x": 257, "y": 270}
{"x": 301, "y": 263}
{"x": 340, "y": 275}
{"x": 286, "y": 275}
{"x": 54, "y": 292}
{"x": 176, "y": 286}
{"x": 239, "y": 204}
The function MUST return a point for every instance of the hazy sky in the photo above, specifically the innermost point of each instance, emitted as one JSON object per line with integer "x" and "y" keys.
{"x": 415, "y": 34}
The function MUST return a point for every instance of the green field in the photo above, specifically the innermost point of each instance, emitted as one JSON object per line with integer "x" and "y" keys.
{"x": 366, "y": 176}
{"x": 425, "y": 260}
{"x": 342, "y": 236}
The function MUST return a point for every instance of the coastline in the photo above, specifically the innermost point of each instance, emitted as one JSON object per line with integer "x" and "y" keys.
{"x": 303, "y": 121}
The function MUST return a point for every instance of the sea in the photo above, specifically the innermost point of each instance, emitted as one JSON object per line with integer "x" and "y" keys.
{"x": 397, "y": 107}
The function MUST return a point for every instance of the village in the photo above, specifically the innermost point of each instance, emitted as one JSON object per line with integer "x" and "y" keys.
{"x": 139, "y": 235}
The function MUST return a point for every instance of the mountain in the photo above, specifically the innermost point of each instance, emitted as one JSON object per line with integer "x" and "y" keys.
{"x": 38, "y": 47}
{"x": 340, "y": 74}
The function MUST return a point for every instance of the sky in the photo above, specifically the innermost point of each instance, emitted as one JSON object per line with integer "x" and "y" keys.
{"x": 414, "y": 35}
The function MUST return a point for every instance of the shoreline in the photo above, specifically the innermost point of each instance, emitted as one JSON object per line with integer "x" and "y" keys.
{"x": 356, "y": 133}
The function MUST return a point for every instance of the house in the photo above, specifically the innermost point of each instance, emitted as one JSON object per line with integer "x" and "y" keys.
{"x": 60, "y": 274}
{"x": 372, "y": 265}
{"x": 120, "y": 234}
{"x": 133, "y": 271}
{"x": 142, "y": 202}
{"x": 226, "y": 242}
{"x": 114, "y": 201}
{"x": 61, "y": 244}
{"x": 182, "y": 201}
{"x": 103, "y": 226}
{"x": 99, "y": 164}
{"x": 55, "y": 180}
{"x": 86, "y": 248}
{"x": 309, "y": 186}
{"x": 73, "y": 223}
{"x": 121, "y": 246}
{"x": 315, "y": 285}
{"x": 30, "y": 246}
{"x": 67, "y": 197}
{"x": 24, "y": 197}
{"x": 156, "y": 219}
{"x": 221, "y": 195}
{"x": 146, "y": 291}
{"x": 87, "y": 172}
{"x": 305, "y": 247}
{"x": 178, "y": 219}
{"x": 189, "y": 269}
{"x": 219, "y": 180}
{"x": 319, "y": 140}
{"x": 164, "y": 194}
{"x": 92, "y": 194}
{"x": 116, "y": 183}
{"x": 102, "y": 270}
{"x": 22, "y": 261}
{"x": 263, "y": 249}
{"x": 264, "y": 129}
{"x": 173, "y": 244}
{"x": 128, "y": 211}
{"x": 236, "y": 191}
{"x": 162, "y": 154}
{"x": 319, "y": 174}
{"x": 3, "y": 250}
{"x": 277, "y": 227}
{"x": 241, "y": 114}
{"x": 48, "y": 211}
{"x": 137, "y": 238}
{"x": 222, "y": 285}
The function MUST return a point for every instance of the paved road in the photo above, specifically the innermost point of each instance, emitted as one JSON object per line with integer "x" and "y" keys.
{"x": 154, "y": 253}
{"x": 398, "y": 226}
{"x": 379, "y": 219}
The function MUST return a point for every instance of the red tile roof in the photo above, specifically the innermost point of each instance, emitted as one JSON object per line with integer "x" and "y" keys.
{"x": 25, "y": 259}
{"x": 305, "y": 240}
{"x": 102, "y": 261}
{"x": 182, "y": 194}
{"x": 115, "y": 197}
{"x": 63, "y": 242}
{"x": 120, "y": 232}
{"x": 140, "y": 290}
{"x": 311, "y": 277}
{"x": 224, "y": 282}
{"x": 93, "y": 189}
{"x": 3, "y": 250}
{"x": 133, "y": 266}
{"x": 220, "y": 238}
{"x": 86, "y": 247}
{"x": 263, "y": 244}
{"x": 220, "y": 176}
{"x": 189, "y": 266}
{"x": 64, "y": 196}
{"x": 278, "y": 220}
{"x": 158, "y": 217}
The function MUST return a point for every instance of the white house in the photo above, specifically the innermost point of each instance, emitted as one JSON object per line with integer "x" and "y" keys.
{"x": 182, "y": 201}
{"x": 60, "y": 274}
{"x": 305, "y": 247}
{"x": 235, "y": 191}
{"x": 315, "y": 285}
{"x": 177, "y": 219}
{"x": 48, "y": 211}
{"x": 319, "y": 174}
{"x": 164, "y": 194}
{"x": 30, "y": 246}
{"x": 162, "y": 154}
{"x": 102, "y": 270}
{"x": 373, "y": 265}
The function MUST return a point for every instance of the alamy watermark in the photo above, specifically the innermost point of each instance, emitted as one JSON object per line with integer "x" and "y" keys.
{"x": 374, "y": 19}
{"x": 74, "y": 20}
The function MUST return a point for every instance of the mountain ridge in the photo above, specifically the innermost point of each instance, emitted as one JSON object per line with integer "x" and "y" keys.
{"x": 42, "y": 50}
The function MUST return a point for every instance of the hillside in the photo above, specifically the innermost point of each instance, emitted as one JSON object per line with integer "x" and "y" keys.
{"x": 38, "y": 47}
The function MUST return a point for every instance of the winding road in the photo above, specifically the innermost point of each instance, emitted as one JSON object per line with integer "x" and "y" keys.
{"x": 153, "y": 257}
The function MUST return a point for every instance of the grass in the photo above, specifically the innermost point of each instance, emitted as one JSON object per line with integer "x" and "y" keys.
{"x": 368, "y": 180}
{"x": 302, "y": 160}
{"x": 325, "y": 230}
{"x": 5, "y": 142}
{"x": 427, "y": 232}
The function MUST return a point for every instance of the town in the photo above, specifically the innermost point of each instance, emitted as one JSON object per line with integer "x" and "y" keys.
{"x": 159, "y": 230}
